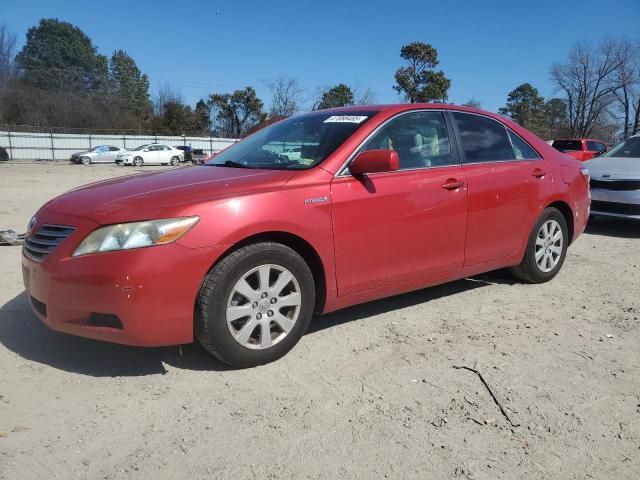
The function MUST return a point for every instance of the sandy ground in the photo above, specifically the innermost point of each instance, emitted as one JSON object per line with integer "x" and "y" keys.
{"x": 369, "y": 392}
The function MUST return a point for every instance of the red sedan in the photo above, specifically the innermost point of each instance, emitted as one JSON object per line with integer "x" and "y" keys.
{"x": 311, "y": 214}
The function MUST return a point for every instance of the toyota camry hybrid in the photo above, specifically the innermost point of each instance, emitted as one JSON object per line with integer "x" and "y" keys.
{"x": 241, "y": 252}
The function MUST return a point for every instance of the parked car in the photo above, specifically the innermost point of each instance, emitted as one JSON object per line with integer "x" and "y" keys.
{"x": 240, "y": 252}
{"x": 4, "y": 154}
{"x": 186, "y": 151}
{"x": 99, "y": 154}
{"x": 151, "y": 154}
{"x": 199, "y": 156}
{"x": 615, "y": 181}
{"x": 580, "y": 148}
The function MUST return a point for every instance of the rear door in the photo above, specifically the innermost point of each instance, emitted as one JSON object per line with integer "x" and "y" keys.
{"x": 392, "y": 227}
{"x": 507, "y": 182}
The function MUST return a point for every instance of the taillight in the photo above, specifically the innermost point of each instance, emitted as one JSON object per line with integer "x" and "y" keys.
{"x": 587, "y": 177}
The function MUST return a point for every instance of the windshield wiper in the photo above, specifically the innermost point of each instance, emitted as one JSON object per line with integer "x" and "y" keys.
{"x": 230, "y": 163}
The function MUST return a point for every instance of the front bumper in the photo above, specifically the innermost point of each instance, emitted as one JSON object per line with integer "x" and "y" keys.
{"x": 616, "y": 203}
{"x": 147, "y": 295}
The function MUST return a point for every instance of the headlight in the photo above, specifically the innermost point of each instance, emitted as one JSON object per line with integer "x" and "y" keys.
{"x": 125, "y": 236}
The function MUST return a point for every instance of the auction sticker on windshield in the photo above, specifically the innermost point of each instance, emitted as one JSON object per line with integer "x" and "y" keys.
{"x": 345, "y": 119}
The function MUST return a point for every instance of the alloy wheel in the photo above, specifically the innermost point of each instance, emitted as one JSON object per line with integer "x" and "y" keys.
{"x": 548, "y": 246}
{"x": 263, "y": 306}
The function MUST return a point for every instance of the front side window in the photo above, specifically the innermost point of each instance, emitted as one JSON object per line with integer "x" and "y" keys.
{"x": 521, "y": 149}
{"x": 420, "y": 138}
{"x": 483, "y": 139}
{"x": 297, "y": 143}
{"x": 593, "y": 146}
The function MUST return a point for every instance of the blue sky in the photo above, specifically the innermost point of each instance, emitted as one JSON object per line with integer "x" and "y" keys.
{"x": 486, "y": 47}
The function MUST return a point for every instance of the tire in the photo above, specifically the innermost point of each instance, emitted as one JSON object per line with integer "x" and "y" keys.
{"x": 85, "y": 160}
{"x": 544, "y": 256}
{"x": 263, "y": 340}
{"x": 175, "y": 161}
{"x": 138, "y": 162}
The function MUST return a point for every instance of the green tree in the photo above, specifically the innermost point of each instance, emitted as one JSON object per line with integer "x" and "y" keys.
{"x": 556, "y": 119}
{"x": 202, "y": 117}
{"x": 130, "y": 84}
{"x": 418, "y": 81}
{"x": 339, "y": 96}
{"x": 526, "y": 106}
{"x": 59, "y": 56}
{"x": 473, "y": 102}
{"x": 237, "y": 112}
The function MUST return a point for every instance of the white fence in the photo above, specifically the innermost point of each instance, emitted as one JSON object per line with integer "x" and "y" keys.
{"x": 58, "y": 146}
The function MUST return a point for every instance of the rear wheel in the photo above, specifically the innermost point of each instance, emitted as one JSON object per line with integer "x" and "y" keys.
{"x": 546, "y": 249}
{"x": 255, "y": 305}
{"x": 138, "y": 162}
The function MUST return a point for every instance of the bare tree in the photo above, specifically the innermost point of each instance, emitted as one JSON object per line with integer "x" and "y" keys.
{"x": 363, "y": 95}
{"x": 8, "y": 42}
{"x": 287, "y": 96}
{"x": 628, "y": 79}
{"x": 588, "y": 81}
{"x": 166, "y": 94}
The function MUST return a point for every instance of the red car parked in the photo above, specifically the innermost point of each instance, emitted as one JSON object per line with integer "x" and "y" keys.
{"x": 580, "y": 148}
{"x": 240, "y": 252}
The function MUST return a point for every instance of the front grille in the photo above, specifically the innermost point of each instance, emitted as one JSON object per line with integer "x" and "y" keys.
{"x": 40, "y": 244}
{"x": 615, "y": 184}
{"x": 614, "y": 207}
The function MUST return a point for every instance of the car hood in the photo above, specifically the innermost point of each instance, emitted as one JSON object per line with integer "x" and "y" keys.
{"x": 77, "y": 154}
{"x": 614, "y": 168}
{"x": 163, "y": 194}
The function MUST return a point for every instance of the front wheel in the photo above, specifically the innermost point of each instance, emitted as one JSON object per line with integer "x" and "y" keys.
{"x": 86, "y": 160}
{"x": 546, "y": 249}
{"x": 175, "y": 161}
{"x": 138, "y": 162}
{"x": 255, "y": 305}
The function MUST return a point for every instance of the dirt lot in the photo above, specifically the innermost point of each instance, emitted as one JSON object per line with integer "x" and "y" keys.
{"x": 369, "y": 392}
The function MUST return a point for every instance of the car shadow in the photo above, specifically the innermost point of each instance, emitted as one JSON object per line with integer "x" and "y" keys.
{"x": 405, "y": 300}
{"x": 613, "y": 227}
{"x": 22, "y": 333}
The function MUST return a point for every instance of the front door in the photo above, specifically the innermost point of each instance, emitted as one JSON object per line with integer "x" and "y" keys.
{"x": 396, "y": 226}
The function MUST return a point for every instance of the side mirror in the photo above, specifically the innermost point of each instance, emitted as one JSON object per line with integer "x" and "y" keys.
{"x": 375, "y": 161}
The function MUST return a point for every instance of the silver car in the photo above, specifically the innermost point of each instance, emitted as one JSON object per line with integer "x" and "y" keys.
{"x": 615, "y": 181}
{"x": 99, "y": 154}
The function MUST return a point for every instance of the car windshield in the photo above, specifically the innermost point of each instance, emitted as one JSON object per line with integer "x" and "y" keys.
{"x": 297, "y": 143}
{"x": 567, "y": 145}
{"x": 141, "y": 147}
{"x": 630, "y": 148}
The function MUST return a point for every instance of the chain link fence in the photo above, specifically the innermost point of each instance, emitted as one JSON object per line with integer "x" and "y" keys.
{"x": 25, "y": 145}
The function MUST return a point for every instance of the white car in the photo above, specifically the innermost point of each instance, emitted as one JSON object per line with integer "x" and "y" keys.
{"x": 151, "y": 154}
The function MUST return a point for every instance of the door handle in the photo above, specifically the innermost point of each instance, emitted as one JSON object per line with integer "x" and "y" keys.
{"x": 538, "y": 173}
{"x": 452, "y": 184}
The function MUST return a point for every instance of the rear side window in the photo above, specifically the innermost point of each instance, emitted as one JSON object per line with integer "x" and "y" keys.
{"x": 567, "y": 145}
{"x": 521, "y": 149}
{"x": 483, "y": 139}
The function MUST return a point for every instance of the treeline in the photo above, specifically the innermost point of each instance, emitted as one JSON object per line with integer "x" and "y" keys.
{"x": 60, "y": 80}
{"x": 598, "y": 91}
